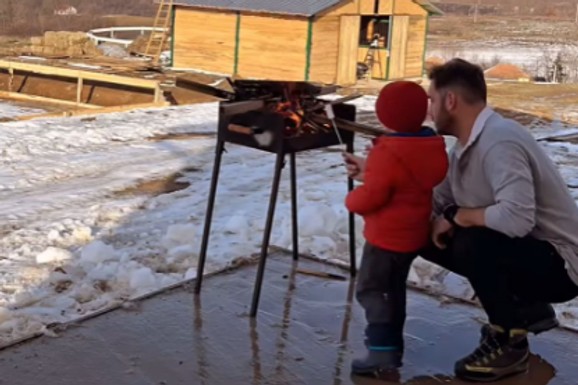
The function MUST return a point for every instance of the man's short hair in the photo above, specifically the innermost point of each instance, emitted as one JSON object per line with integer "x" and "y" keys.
{"x": 466, "y": 76}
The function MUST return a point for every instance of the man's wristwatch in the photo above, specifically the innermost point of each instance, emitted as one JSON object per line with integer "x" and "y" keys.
{"x": 450, "y": 213}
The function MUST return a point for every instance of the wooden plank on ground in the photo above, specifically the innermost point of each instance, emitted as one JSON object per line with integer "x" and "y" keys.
{"x": 570, "y": 137}
{"x": 81, "y": 112}
{"x": 75, "y": 74}
{"x": 34, "y": 98}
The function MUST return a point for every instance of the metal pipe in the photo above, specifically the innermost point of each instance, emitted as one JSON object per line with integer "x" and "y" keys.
{"x": 352, "y": 246}
{"x": 348, "y": 125}
{"x": 209, "y": 215}
{"x": 267, "y": 234}
{"x": 294, "y": 219}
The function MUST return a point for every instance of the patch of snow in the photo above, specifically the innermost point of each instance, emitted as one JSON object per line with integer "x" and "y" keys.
{"x": 113, "y": 50}
{"x": 11, "y": 110}
{"x": 52, "y": 255}
{"x": 74, "y": 246}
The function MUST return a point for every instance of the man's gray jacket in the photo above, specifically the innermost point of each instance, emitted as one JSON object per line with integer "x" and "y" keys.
{"x": 503, "y": 168}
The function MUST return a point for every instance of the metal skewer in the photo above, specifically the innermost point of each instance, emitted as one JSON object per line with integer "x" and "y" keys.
{"x": 331, "y": 116}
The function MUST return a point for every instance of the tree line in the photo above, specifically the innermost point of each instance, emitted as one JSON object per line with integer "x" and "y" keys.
{"x": 34, "y": 17}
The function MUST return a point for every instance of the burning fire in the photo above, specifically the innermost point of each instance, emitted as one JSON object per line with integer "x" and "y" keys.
{"x": 289, "y": 110}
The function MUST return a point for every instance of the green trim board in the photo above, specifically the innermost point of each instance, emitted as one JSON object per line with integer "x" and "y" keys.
{"x": 173, "y": 26}
{"x": 390, "y": 48}
{"x": 308, "y": 48}
{"x": 237, "y": 43}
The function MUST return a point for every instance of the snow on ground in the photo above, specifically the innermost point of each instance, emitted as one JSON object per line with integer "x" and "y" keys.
{"x": 71, "y": 245}
{"x": 12, "y": 110}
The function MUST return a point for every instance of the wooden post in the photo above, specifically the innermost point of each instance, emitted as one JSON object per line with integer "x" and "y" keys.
{"x": 11, "y": 80}
{"x": 576, "y": 20}
{"x": 158, "y": 93}
{"x": 79, "y": 87}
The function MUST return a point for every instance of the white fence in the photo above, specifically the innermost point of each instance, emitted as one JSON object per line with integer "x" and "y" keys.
{"x": 108, "y": 35}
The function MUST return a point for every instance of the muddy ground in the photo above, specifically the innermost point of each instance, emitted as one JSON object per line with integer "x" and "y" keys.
{"x": 307, "y": 331}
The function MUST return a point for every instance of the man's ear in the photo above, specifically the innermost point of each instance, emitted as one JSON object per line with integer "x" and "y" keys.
{"x": 451, "y": 101}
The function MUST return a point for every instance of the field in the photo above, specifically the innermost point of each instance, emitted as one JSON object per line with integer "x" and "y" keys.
{"x": 542, "y": 47}
{"x": 502, "y": 30}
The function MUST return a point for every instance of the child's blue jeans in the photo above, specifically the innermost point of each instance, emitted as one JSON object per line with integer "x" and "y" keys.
{"x": 381, "y": 291}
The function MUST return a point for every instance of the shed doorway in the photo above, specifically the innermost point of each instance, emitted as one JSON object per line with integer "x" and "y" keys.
{"x": 374, "y": 45}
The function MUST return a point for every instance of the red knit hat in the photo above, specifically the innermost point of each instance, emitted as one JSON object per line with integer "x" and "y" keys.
{"x": 402, "y": 106}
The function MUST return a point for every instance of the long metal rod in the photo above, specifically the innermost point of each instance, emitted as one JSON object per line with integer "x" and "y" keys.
{"x": 267, "y": 234}
{"x": 348, "y": 125}
{"x": 209, "y": 215}
{"x": 294, "y": 219}
{"x": 352, "y": 258}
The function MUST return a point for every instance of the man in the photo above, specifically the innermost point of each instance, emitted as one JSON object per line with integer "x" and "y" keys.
{"x": 503, "y": 218}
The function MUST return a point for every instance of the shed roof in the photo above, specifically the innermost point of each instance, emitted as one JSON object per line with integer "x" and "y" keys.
{"x": 428, "y": 6}
{"x": 292, "y": 7}
{"x": 287, "y": 7}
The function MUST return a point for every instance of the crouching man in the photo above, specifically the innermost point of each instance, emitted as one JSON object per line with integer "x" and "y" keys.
{"x": 503, "y": 218}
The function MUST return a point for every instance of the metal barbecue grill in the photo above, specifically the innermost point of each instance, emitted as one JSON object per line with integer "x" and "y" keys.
{"x": 282, "y": 118}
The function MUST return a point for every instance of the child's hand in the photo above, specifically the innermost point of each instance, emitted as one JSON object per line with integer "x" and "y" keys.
{"x": 355, "y": 166}
{"x": 368, "y": 148}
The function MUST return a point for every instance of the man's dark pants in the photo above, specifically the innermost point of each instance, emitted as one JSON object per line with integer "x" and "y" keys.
{"x": 506, "y": 273}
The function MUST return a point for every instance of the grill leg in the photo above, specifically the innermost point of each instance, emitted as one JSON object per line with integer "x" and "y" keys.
{"x": 294, "y": 220}
{"x": 267, "y": 234}
{"x": 209, "y": 214}
{"x": 352, "y": 259}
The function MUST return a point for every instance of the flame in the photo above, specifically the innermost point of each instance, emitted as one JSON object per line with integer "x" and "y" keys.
{"x": 289, "y": 111}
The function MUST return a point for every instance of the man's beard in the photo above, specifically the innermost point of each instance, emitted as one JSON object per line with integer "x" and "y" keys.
{"x": 444, "y": 122}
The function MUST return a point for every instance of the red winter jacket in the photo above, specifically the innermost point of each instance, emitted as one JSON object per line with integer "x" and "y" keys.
{"x": 395, "y": 198}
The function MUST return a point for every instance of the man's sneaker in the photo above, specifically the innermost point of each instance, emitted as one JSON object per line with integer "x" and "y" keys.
{"x": 377, "y": 362}
{"x": 499, "y": 355}
{"x": 537, "y": 319}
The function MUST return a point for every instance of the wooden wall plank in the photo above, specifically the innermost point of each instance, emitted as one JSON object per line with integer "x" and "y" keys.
{"x": 205, "y": 40}
{"x": 273, "y": 48}
{"x": 386, "y": 7}
{"x": 408, "y": 7}
{"x": 398, "y": 47}
{"x": 325, "y": 49}
{"x": 415, "y": 46}
{"x": 367, "y": 7}
{"x": 348, "y": 50}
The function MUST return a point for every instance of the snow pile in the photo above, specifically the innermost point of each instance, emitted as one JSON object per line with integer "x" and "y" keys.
{"x": 12, "y": 110}
{"x": 113, "y": 50}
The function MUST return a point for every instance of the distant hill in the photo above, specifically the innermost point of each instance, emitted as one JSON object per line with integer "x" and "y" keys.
{"x": 532, "y": 8}
{"x": 33, "y": 17}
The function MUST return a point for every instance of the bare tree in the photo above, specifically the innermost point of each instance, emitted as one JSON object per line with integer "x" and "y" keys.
{"x": 6, "y": 14}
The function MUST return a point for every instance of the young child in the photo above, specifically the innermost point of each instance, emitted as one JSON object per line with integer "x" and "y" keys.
{"x": 395, "y": 200}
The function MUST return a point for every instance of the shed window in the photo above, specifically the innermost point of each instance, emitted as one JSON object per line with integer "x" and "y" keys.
{"x": 374, "y": 30}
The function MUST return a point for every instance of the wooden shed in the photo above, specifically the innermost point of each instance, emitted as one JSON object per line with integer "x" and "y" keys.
{"x": 302, "y": 40}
